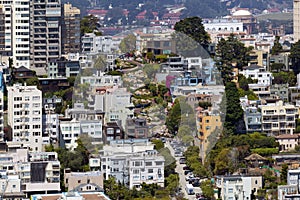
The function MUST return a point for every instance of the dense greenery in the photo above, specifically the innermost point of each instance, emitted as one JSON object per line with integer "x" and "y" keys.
{"x": 116, "y": 190}
{"x": 295, "y": 57}
{"x": 194, "y": 162}
{"x": 89, "y": 24}
{"x": 229, "y": 152}
{"x": 180, "y": 114}
{"x": 230, "y": 106}
{"x": 277, "y": 67}
{"x": 230, "y": 53}
{"x": 277, "y": 47}
{"x": 76, "y": 160}
{"x": 193, "y": 28}
{"x": 128, "y": 43}
{"x": 243, "y": 89}
{"x": 207, "y": 189}
{"x": 284, "y": 77}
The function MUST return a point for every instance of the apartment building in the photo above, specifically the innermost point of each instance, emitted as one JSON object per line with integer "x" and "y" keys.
{"x": 112, "y": 131}
{"x": 62, "y": 68}
{"x": 50, "y": 128}
{"x": 208, "y": 123}
{"x": 296, "y": 20}
{"x": 70, "y": 29}
{"x": 91, "y": 43}
{"x": 2, "y": 85}
{"x": 258, "y": 73}
{"x": 238, "y": 186}
{"x": 46, "y": 33}
{"x": 100, "y": 79}
{"x": 16, "y": 30}
{"x": 132, "y": 162}
{"x": 37, "y": 171}
{"x": 252, "y": 118}
{"x": 293, "y": 177}
{"x": 278, "y": 118}
{"x": 280, "y": 91}
{"x": 116, "y": 103}
{"x": 136, "y": 128}
{"x": 10, "y": 186}
{"x": 25, "y": 115}
{"x": 71, "y": 129}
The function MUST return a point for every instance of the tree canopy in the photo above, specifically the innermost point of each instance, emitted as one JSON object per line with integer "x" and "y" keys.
{"x": 89, "y": 24}
{"x": 277, "y": 47}
{"x": 230, "y": 53}
{"x": 234, "y": 120}
{"x": 128, "y": 43}
{"x": 193, "y": 28}
{"x": 295, "y": 57}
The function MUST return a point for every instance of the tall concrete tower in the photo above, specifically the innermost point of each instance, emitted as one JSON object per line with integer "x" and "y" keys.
{"x": 296, "y": 20}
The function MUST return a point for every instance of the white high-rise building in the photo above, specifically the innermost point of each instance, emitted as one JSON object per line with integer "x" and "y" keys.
{"x": 1, "y": 106}
{"x": 16, "y": 31}
{"x": 32, "y": 32}
{"x": 296, "y": 20}
{"x": 25, "y": 115}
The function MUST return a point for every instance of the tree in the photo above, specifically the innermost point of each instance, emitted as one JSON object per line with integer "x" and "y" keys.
{"x": 223, "y": 163}
{"x": 89, "y": 24}
{"x": 230, "y": 53}
{"x": 277, "y": 67}
{"x": 234, "y": 120}
{"x": 207, "y": 189}
{"x": 185, "y": 134}
{"x": 277, "y": 47}
{"x": 285, "y": 77}
{"x": 128, "y": 43}
{"x": 32, "y": 81}
{"x": 295, "y": 57}
{"x": 283, "y": 173}
{"x": 193, "y": 28}
{"x": 158, "y": 144}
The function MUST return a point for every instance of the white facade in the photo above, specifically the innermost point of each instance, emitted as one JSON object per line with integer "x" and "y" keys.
{"x": 296, "y": 19}
{"x": 147, "y": 168}
{"x": 17, "y": 31}
{"x": 133, "y": 163}
{"x": 116, "y": 103}
{"x": 96, "y": 44}
{"x": 101, "y": 80}
{"x": 50, "y": 128}
{"x": 223, "y": 25}
{"x": 260, "y": 74}
{"x": 238, "y": 187}
{"x": 25, "y": 115}
{"x": 293, "y": 177}
{"x": 71, "y": 130}
{"x": 194, "y": 63}
{"x": 24, "y": 165}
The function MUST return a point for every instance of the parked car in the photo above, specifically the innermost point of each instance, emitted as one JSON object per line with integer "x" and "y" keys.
{"x": 186, "y": 168}
{"x": 182, "y": 161}
{"x": 186, "y": 172}
{"x": 178, "y": 153}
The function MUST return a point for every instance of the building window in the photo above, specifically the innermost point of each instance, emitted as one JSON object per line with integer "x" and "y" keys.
{"x": 150, "y": 170}
{"x": 148, "y": 163}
